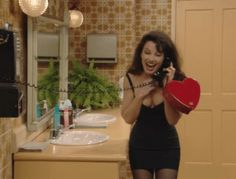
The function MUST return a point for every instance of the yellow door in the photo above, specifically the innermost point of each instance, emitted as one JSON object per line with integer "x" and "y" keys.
{"x": 206, "y": 38}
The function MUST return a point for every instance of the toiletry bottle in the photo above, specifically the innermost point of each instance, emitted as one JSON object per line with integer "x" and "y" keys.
{"x": 45, "y": 107}
{"x": 56, "y": 121}
{"x": 61, "y": 109}
{"x": 66, "y": 118}
{"x": 38, "y": 111}
{"x": 68, "y": 105}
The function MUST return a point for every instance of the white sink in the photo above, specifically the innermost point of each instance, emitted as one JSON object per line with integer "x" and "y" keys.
{"x": 80, "y": 138}
{"x": 94, "y": 119}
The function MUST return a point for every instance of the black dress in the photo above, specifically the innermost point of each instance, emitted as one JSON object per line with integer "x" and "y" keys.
{"x": 153, "y": 143}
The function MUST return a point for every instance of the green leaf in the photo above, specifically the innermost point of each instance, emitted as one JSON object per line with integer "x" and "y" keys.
{"x": 48, "y": 85}
{"x": 93, "y": 89}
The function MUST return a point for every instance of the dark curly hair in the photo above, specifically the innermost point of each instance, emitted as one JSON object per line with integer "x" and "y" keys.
{"x": 163, "y": 45}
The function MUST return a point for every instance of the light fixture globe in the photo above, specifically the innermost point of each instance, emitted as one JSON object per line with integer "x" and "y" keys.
{"x": 33, "y": 8}
{"x": 76, "y": 18}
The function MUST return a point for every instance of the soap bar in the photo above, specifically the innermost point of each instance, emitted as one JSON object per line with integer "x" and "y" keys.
{"x": 182, "y": 95}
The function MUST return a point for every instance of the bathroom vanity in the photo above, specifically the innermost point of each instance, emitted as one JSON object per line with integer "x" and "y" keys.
{"x": 102, "y": 160}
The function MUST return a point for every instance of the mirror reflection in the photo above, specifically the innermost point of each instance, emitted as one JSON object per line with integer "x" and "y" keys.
{"x": 46, "y": 38}
{"x": 48, "y": 83}
{"x": 48, "y": 61}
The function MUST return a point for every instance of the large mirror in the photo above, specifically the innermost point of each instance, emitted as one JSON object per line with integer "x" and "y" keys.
{"x": 47, "y": 68}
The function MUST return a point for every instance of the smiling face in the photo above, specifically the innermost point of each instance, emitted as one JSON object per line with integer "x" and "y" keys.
{"x": 151, "y": 58}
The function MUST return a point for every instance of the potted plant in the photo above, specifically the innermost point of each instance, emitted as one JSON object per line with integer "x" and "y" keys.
{"x": 88, "y": 89}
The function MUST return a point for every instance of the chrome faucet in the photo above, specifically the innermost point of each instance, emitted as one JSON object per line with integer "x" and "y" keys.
{"x": 55, "y": 133}
{"x": 78, "y": 112}
{"x": 63, "y": 129}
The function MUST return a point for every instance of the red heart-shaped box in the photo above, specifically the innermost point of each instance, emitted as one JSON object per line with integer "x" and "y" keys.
{"x": 182, "y": 95}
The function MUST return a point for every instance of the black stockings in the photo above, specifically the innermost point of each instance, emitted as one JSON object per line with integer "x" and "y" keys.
{"x": 142, "y": 174}
{"x": 159, "y": 174}
{"x": 166, "y": 173}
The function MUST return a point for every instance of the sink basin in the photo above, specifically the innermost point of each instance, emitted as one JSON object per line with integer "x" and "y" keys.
{"x": 94, "y": 119}
{"x": 80, "y": 138}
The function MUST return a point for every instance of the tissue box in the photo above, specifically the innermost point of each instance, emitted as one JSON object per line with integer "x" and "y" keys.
{"x": 182, "y": 95}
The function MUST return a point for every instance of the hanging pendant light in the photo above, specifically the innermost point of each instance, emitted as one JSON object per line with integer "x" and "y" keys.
{"x": 33, "y": 8}
{"x": 76, "y": 18}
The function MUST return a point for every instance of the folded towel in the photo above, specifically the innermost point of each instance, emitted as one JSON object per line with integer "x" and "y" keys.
{"x": 34, "y": 147}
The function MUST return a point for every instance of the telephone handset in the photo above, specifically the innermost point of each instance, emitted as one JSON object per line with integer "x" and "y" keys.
{"x": 160, "y": 74}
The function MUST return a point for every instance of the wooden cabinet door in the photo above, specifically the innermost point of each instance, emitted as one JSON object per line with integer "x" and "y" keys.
{"x": 65, "y": 169}
{"x": 206, "y": 37}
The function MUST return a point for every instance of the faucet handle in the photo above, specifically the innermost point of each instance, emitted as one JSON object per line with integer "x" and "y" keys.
{"x": 78, "y": 111}
{"x": 62, "y": 130}
{"x": 72, "y": 126}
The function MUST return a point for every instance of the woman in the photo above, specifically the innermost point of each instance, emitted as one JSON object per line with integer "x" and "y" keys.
{"x": 154, "y": 148}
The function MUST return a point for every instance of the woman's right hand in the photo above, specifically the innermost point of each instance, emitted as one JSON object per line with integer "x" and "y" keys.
{"x": 142, "y": 91}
